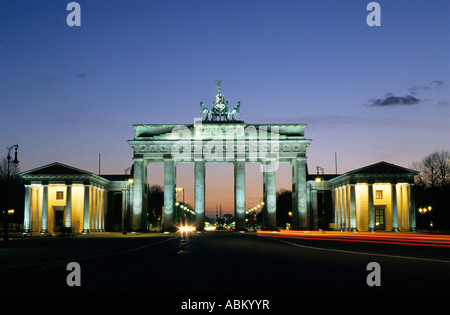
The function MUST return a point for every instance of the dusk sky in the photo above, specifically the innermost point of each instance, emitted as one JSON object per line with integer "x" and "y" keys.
{"x": 370, "y": 94}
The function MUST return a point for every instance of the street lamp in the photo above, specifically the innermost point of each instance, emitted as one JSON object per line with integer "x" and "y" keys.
{"x": 424, "y": 210}
{"x": 8, "y": 174}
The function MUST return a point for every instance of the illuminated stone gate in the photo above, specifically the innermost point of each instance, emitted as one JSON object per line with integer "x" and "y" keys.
{"x": 219, "y": 137}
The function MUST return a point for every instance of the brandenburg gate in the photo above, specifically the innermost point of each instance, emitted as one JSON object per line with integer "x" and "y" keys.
{"x": 219, "y": 136}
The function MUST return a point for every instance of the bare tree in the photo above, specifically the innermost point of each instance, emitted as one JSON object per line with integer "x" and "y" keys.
{"x": 14, "y": 172}
{"x": 434, "y": 170}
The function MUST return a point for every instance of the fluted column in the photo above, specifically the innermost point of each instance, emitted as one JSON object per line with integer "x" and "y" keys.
{"x": 68, "y": 218}
{"x": 169, "y": 189}
{"x": 103, "y": 210}
{"x": 270, "y": 201}
{"x": 139, "y": 194}
{"x": 335, "y": 196}
{"x": 394, "y": 207}
{"x": 27, "y": 210}
{"x": 86, "y": 206}
{"x": 199, "y": 191}
{"x": 299, "y": 205}
{"x": 412, "y": 208}
{"x": 371, "y": 208}
{"x": 239, "y": 194}
{"x": 44, "y": 228}
{"x": 353, "y": 208}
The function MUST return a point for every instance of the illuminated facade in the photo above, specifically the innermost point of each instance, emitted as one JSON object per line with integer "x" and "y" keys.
{"x": 61, "y": 198}
{"x": 376, "y": 197}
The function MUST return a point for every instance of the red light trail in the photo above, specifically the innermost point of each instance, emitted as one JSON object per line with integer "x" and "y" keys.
{"x": 401, "y": 238}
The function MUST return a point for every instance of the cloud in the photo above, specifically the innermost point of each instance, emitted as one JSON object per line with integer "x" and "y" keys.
{"x": 65, "y": 121}
{"x": 414, "y": 89}
{"x": 392, "y": 100}
{"x": 50, "y": 78}
{"x": 438, "y": 83}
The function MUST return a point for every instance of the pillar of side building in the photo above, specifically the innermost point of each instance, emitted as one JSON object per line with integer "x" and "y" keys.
{"x": 44, "y": 228}
{"x": 27, "y": 210}
{"x": 371, "y": 208}
{"x": 103, "y": 218}
{"x": 394, "y": 207}
{"x": 353, "y": 208}
{"x": 169, "y": 195}
{"x": 239, "y": 194}
{"x": 199, "y": 191}
{"x": 412, "y": 208}
{"x": 86, "y": 212}
{"x": 68, "y": 218}
{"x": 138, "y": 194}
{"x": 300, "y": 208}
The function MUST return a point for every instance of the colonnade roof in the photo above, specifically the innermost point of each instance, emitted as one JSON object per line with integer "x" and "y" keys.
{"x": 378, "y": 172}
{"x": 58, "y": 171}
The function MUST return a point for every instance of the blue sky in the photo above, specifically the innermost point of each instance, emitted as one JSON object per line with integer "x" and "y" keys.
{"x": 367, "y": 93}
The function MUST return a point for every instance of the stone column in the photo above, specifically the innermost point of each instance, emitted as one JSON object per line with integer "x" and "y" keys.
{"x": 335, "y": 196}
{"x": 333, "y": 202}
{"x": 139, "y": 193}
{"x": 353, "y": 208}
{"x": 271, "y": 198}
{"x": 394, "y": 207}
{"x": 339, "y": 206}
{"x": 300, "y": 208}
{"x": 347, "y": 208}
{"x": 97, "y": 214}
{"x": 86, "y": 212}
{"x": 239, "y": 194}
{"x": 68, "y": 218}
{"x": 199, "y": 191}
{"x": 315, "y": 207}
{"x": 344, "y": 208}
{"x": 27, "y": 210}
{"x": 400, "y": 209}
{"x": 169, "y": 190}
{"x": 371, "y": 208}
{"x": 93, "y": 208}
{"x": 102, "y": 222}
{"x": 44, "y": 209}
{"x": 412, "y": 208}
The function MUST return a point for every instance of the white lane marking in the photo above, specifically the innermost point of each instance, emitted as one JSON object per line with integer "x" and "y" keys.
{"x": 57, "y": 262}
{"x": 361, "y": 253}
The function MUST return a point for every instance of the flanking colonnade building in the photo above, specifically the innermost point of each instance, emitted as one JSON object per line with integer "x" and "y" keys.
{"x": 59, "y": 197}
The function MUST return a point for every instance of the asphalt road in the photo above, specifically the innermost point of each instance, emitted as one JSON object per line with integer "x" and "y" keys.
{"x": 218, "y": 263}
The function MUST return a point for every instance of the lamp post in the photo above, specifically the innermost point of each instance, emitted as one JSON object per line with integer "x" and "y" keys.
{"x": 8, "y": 174}
{"x": 424, "y": 210}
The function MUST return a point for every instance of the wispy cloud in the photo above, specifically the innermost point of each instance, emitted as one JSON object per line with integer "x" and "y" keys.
{"x": 414, "y": 89}
{"x": 438, "y": 83}
{"x": 392, "y": 100}
{"x": 50, "y": 78}
{"x": 411, "y": 98}
{"x": 65, "y": 121}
